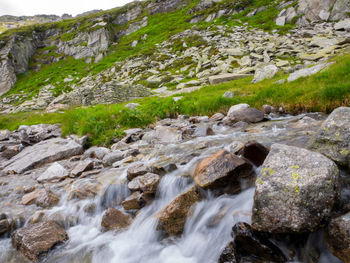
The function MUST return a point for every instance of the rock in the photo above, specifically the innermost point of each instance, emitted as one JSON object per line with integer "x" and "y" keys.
{"x": 54, "y": 172}
{"x": 313, "y": 8}
{"x": 221, "y": 170}
{"x": 137, "y": 170}
{"x": 248, "y": 242}
{"x": 338, "y": 238}
{"x": 33, "y": 241}
{"x": 333, "y": 137}
{"x": 229, "y": 255}
{"x": 163, "y": 134}
{"x": 114, "y": 219}
{"x": 43, "y": 152}
{"x": 217, "y": 117}
{"x": 41, "y": 197}
{"x": 343, "y": 25}
{"x": 267, "y": 72}
{"x": 306, "y": 72}
{"x": 132, "y": 106}
{"x": 173, "y": 217}
{"x": 81, "y": 167}
{"x": 84, "y": 188}
{"x": 4, "y": 226}
{"x": 236, "y": 52}
{"x": 281, "y": 21}
{"x": 340, "y": 9}
{"x": 134, "y": 201}
{"x": 255, "y": 152}
{"x": 96, "y": 152}
{"x": 112, "y": 157}
{"x": 228, "y": 95}
{"x": 243, "y": 112}
{"x": 267, "y": 109}
{"x": 146, "y": 183}
{"x": 226, "y": 77}
{"x": 295, "y": 191}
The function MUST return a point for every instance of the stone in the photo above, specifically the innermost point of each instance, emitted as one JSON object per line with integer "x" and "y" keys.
{"x": 267, "y": 72}
{"x": 96, "y": 152}
{"x": 221, "y": 170}
{"x": 114, "y": 219}
{"x": 112, "y": 157}
{"x": 311, "y": 9}
{"x": 340, "y": 9}
{"x": 172, "y": 218}
{"x": 254, "y": 152}
{"x": 132, "y": 106}
{"x": 134, "y": 201}
{"x": 217, "y": 117}
{"x": 55, "y": 172}
{"x": 333, "y": 137}
{"x": 306, "y": 72}
{"x": 137, "y": 170}
{"x": 43, "y": 152}
{"x": 163, "y": 134}
{"x": 247, "y": 242}
{"x": 34, "y": 241}
{"x": 295, "y": 191}
{"x": 81, "y": 167}
{"x": 146, "y": 183}
{"x": 338, "y": 238}
{"x": 267, "y": 109}
{"x": 281, "y": 21}
{"x": 343, "y": 25}
{"x": 236, "y": 52}
{"x": 41, "y": 197}
{"x": 84, "y": 188}
{"x": 228, "y": 95}
{"x": 229, "y": 255}
{"x": 226, "y": 77}
{"x": 243, "y": 112}
{"x": 4, "y": 226}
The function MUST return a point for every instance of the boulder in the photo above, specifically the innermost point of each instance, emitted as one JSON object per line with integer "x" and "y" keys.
{"x": 295, "y": 191}
{"x": 248, "y": 242}
{"x": 137, "y": 170}
{"x": 306, "y": 72}
{"x": 254, "y": 152}
{"x": 81, "y": 167}
{"x": 338, "y": 237}
{"x": 54, "y": 172}
{"x": 112, "y": 157}
{"x": 226, "y": 77}
{"x": 43, "y": 152}
{"x": 343, "y": 25}
{"x": 33, "y": 241}
{"x": 281, "y": 21}
{"x": 228, "y": 95}
{"x": 163, "y": 134}
{"x": 220, "y": 170}
{"x": 114, "y": 219}
{"x": 340, "y": 9}
{"x": 267, "y": 72}
{"x": 229, "y": 255}
{"x": 333, "y": 137}
{"x": 134, "y": 201}
{"x": 173, "y": 217}
{"x": 4, "y": 226}
{"x": 41, "y": 197}
{"x": 146, "y": 183}
{"x": 84, "y": 188}
{"x": 132, "y": 106}
{"x": 96, "y": 152}
{"x": 313, "y": 9}
{"x": 243, "y": 112}
{"x": 217, "y": 117}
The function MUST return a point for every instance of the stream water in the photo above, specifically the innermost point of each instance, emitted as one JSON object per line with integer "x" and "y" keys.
{"x": 206, "y": 232}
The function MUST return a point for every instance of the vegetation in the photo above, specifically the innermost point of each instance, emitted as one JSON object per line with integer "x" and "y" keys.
{"x": 322, "y": 92}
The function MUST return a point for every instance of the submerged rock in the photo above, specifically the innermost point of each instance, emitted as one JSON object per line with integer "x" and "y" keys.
{"x": 41, "y": 153}
{"x": 295, "y": 191}
{"x": 221, "y": 170}
{"x": 33, "y": 241}
{"x": 173, "y": 217}
{"x": 333, "y": 138}
{"x": 134, "y": 201}
{"x": 146, "y": 183}
{"x": 338, "y": 237}
{"x": 114, "y": 219}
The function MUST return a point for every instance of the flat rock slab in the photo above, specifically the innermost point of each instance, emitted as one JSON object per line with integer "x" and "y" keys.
{"x": 41, "y": 153}
{"x": 306, "y": 72}
{"x": 295, "y": 191}
{"x": 226, "y": 77}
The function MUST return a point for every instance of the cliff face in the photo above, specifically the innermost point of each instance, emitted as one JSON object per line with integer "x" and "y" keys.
{"x": 91, "y": 37}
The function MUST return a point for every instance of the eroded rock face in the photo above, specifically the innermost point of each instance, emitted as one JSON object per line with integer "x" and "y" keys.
{"x": 114, "y": 219}
{"x": 338, "y": 237}
{"x": 295, "y": 191}
{"x": 40, "y": 153}
{"x": 173, "y": 217}
{"x": 35, "y": 240}
{"x": 333, "y": 138}
{"x": 221, "y": 170}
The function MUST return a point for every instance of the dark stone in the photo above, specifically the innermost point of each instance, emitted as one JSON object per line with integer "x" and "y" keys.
{"x": 255, "y": 152}
{"x": 229, "y": 255}
{"x": 114, "y": 219}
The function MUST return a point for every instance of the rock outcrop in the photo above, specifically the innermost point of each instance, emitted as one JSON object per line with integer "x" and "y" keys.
{"x": 295, "y": 191}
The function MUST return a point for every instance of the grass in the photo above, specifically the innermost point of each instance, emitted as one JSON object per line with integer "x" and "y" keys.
{"x": 102, "y": 123}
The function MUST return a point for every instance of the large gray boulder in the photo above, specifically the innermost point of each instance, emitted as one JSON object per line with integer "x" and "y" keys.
{"x": 333, "y": 137}
{"x": 243, "y": 112}
{"x": 306, "y": 72}
{"x": 33, "y": 241}
{"x": 267, "y": 72}
{"x": 340, "y": 9}
{"x": 295, "y": 191}
{"x": 41, "y": 153}
{"x": 314, "y": 9}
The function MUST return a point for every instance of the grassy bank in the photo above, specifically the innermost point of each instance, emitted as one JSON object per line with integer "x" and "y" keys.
{"x": 322, "y": 92}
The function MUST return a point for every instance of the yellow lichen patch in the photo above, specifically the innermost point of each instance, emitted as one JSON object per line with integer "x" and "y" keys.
{"x": 259, "y": 181}
{"x": 295, "y": 176}
{"x": 267, "y": 171}
{"x": 344, "y": 152}
{"x": 296, "y": 189}
{"x": 295, "y": 167}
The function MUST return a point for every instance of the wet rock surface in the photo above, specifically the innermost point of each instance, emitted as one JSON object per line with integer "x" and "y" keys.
{"x": 114, "y": 219}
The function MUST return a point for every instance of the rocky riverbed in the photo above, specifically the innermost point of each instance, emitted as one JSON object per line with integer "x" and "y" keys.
{"x": 248, "y": 186}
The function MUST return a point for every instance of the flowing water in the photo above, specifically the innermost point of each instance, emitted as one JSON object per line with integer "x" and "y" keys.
{"x": 206, "y": 232}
